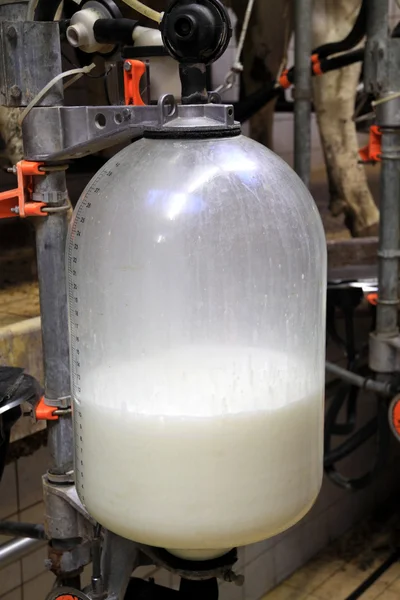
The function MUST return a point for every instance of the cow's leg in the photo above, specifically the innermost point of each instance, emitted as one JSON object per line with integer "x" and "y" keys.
{"x": 334, "y": 95}
{"x": 10, "y": 131}
{"x": 265, "y": 47}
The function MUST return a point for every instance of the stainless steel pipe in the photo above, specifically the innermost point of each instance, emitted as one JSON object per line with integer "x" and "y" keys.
{"x": 381, "y": 388}
{"x": 17, "y": 549}
{"x": 303, "y": 89}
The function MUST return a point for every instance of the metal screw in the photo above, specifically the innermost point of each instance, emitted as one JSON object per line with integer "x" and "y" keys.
{"x": 12, "y": 169}
{"x": 15, "y": 91}
{"x": 15, "y": 210}
{"x": 127, "y": 66}
{"x": 11, "y": 33}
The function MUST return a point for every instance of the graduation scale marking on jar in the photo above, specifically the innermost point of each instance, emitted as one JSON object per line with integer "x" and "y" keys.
{"x": 82, "y": 210}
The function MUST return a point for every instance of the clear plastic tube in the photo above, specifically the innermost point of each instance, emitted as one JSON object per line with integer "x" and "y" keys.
{"x": 144, "y": 10}
{"x": 77, "y": 74}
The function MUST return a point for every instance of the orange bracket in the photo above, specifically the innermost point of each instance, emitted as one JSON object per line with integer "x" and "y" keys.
{"x": 372, "y": 152}
{"x": 14, "y": 202}
{"x": 373, "y": 299}
{"x": 283, "y": 80}
{"x": 316, "y": 65}
{"x": 394, "y": 416}
{"x": 133, "y": 73}
{"x": 43, "y": 412}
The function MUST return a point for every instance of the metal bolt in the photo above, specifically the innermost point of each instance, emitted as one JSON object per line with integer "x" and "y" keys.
{"x": 15, "y": 91}
{"x": 11, "y": 33}
{"x": 12, "y": 169}
{"x": 15, "y": 210}
{"x": 127, "y": 66}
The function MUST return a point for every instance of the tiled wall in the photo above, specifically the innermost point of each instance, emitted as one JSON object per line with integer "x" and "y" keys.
{"x": 21, "y": 499}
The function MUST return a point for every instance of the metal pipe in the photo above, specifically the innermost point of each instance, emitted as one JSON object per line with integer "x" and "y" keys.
{"x": 381, "y": 388}
{"x": 50, "y": 249}
{"x": 388, "y": 272}
{"x": 303, "y": 89}
{"x": 378, "y": 21}
{"x": 17, "y": 549}
{"x": 381, "y": 79}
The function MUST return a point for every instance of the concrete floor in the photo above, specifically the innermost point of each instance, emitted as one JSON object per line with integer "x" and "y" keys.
{"x": 340, "y": 568}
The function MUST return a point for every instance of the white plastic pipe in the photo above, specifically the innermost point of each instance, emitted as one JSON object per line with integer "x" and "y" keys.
{"x": 144, "y": 10}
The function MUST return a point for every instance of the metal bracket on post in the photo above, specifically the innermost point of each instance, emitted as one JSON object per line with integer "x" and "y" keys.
{"x": 16, "y": 202}
{"x": 68, "y": 524}
{"x": 384, "y": 353}
{"x": 120, "y": 557}
{"x": 88, "y": 129}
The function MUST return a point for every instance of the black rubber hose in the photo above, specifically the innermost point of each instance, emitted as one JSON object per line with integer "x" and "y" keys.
{"x": 349, "y": 394}
{"x": 352, "y": 443}
{"x": 382, "y": 450}
{"x": 28, "y": 530}
{"x": 247, "y": 108}
{"x": 344, "y": 60}
{"x": 114, "y": 31}
{"x": 332, "y": 413}
{"x": 355, "y": 36}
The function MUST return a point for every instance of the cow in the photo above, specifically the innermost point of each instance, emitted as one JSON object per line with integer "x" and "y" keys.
{"x": 334, "y": 94}
{"x": 265, "y": 51}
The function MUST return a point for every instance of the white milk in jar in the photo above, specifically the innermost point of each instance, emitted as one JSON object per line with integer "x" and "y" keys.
{"x": 200, "y": 449}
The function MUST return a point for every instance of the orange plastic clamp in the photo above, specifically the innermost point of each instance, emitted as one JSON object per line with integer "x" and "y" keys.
{"x": 133, "y": 72}
{"x": 372, "y": 152}
{"x": 43, "y": 412}
{"x": 373, "y": 299}
{"x": 25, "y": 170}
{"x": 316, "y": 65}
{"x": 396, "y": 416}
{"x": 283, "y": 79}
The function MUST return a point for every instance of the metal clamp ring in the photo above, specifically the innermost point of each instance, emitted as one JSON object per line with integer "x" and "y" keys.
{"x": 389, "y": 253}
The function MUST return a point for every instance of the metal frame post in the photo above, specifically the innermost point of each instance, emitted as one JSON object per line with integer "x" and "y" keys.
{"x": 303, "y": 89}
{"x": 51, "y": 235}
